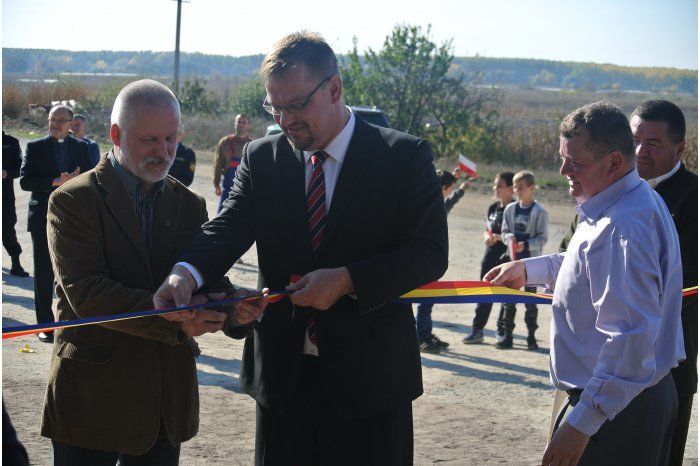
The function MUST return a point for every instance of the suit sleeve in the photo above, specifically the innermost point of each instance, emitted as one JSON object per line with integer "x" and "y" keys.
{"x": 15, "y": 156}
{"x": 420, "y": 252}
{"x": 29, "y": 179}
{"x": 225, "y": 238}
{"x": 76, "y": 245}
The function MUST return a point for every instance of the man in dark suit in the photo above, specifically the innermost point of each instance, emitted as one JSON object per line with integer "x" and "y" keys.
{"x": 48, "y": 163}
{"x": 11, "y": 161}
{"x": 356, "y": 210}
{"x": 658, "y": 127}
{"x": 125, "y": 391}
{"x": 185, "y": 161}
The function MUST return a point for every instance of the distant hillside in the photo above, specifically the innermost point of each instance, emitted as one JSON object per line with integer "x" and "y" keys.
{"x": 572, "y": 75}
{"x": 497, "y": 71}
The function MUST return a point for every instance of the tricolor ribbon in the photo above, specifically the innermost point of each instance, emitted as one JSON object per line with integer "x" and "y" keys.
{"x": 471, "y": 292}
{"x": 22, "y": 330}
{"x": 463, "y": 292}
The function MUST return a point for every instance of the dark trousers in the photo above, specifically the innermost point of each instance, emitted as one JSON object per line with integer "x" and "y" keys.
{"x": 309, "y": 433}
{"x": 424, "y": 321}
{"x": 508, "y": 321}
{"x": 9, "y": 219}
{"x": 43, "y": 278}
{"x": 680, "y": 431}
{"x": 162, "y": 453}
{"x": 640, "y": 434}
{"x": 491, "y": 259}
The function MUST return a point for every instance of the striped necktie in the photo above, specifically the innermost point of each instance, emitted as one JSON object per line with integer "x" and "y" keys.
{"x": 316, "y": 199}
{"x": 316, "y": 208}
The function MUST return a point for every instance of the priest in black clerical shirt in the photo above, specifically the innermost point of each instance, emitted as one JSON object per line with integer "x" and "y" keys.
{"x": 48, "y": 163}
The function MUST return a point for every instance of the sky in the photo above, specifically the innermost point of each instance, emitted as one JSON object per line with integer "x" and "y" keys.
{"x": 622, "y": 32}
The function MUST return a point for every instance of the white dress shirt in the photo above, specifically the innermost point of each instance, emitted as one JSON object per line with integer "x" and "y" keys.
{"x": 655, "y": 181}
{"x": 616, "y": 310}
{"x": 331, "y": 167}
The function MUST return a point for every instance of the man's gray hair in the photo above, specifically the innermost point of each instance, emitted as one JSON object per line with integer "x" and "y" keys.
{"x": 143, "y": 92}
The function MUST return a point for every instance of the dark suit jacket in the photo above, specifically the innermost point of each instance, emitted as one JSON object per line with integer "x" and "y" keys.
{"x": 680, "y": 192}
{"x": 109, "y": 385}
{"x": 386, "y": 224}
{"x": 39, "y": 169}
{"x": 11, "y": 161}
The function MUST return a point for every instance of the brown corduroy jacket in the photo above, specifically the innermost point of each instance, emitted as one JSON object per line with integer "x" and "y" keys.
{"x": 110, "y": 385}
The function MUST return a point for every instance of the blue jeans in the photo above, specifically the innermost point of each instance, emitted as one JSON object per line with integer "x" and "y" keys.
{"x": 424, "y": 321}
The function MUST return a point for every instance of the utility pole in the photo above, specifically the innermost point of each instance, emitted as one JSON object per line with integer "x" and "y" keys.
{"x": 176, "y": 77}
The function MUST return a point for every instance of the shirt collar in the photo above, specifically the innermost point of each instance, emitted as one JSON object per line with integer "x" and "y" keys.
{"x": 339, "y": 145}
{"x": 594, "y": 207}
{"x": 655, "y": 181}
{"x": 131, "y": 182}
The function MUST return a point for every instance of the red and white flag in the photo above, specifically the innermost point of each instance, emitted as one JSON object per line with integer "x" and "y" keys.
{"x": 467, "y": 166}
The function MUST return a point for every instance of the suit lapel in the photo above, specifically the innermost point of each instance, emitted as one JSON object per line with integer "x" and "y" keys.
{"x": 122, "y": 209}
{"x": 356, "y": 164}
{"x": 166, "y": 216}
{"x": 292, "y": 174}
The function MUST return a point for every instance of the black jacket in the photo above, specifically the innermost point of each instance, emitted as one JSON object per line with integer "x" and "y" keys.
{"x": 40, "y": 168}
{"x": 11, "y": 161}
{"x": 680, "y": 192}
{"x": 183, "y": 165}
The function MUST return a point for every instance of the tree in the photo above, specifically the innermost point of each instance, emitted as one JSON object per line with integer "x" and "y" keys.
{"x": 194, "y": 98}
{"x": 247, "y": 97}
{"x": 414, "y": 82}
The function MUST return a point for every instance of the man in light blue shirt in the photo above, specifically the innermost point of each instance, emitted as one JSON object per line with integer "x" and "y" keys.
{"x": 616, "y": 328}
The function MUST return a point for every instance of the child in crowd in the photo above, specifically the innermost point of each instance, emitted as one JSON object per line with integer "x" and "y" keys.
{"x": 524, "y": 223}
{"x": 428, "y": 342}
{"x": 495, "y": 249}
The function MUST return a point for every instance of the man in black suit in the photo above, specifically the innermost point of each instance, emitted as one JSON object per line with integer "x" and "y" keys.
{"x": 658, "y": 127}
{"x": 11, "y": 161}
{"x": 48, "y": 163}
{"x": 356, "y": 210}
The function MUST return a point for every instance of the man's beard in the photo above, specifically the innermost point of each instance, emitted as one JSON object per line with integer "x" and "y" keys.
{"x": 141, "y": 171}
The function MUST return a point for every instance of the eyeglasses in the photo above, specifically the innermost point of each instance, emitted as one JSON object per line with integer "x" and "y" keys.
{"x": 60, "y": 121}
{"x": 292, "y": 109}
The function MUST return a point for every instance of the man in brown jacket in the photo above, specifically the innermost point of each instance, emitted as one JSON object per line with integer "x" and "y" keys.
{"x": 228, "y": 157}
{"x": 126, "y": 391}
